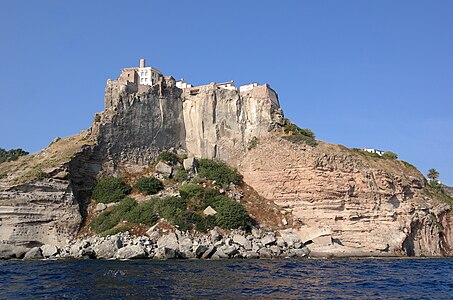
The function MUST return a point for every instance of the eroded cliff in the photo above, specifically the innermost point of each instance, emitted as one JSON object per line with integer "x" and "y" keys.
{"x": 344, "y": 203}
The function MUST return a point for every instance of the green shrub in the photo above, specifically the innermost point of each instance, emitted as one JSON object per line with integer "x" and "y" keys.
{"x": 109, "y": 218}
{"x": 149, "y": 185}
{"x": 253, "y": 142}
{"x": 389, "y": 155}
{"x": 231, "y": 215}
{"x": 180, "y": 174}
{"x": 218, "y": 171}
{"x": 408, "y": 164}
{"x": 297, "y": 134}
{"x": 290, "y": 127}
{"x": 188, "y": 191}
{"x": 143, "y": 213}
{"x": 13, "y": 154}
{"x": 110, "y": 189}
{"x": 115, "y": 230}
{"x": 296, "y": 139}
{"x": 185, "y": 219}
{"x": 168, "y": 157}
{"x": 169, "y": 207}
{"x": 206, "y": 223}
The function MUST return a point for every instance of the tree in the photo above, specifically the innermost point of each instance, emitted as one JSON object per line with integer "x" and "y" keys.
{"x": 433, "y": 174}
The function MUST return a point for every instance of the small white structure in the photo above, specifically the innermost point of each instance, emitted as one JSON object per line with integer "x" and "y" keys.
{"x": 375, "y": 151}
{"x": 227, "y": 85}
{"x": 147, "y": 75}
{"x": 247, "y": 87}
{"x": 182, "y": 84}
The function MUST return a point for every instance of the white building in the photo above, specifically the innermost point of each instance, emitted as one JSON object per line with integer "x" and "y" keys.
{"x": 371, "y": 150}
{"x": 182, "y": 84}
{"x": 227, "y": 85}
{"x": 247, "y": 87}
{"x": 147, "y": 75}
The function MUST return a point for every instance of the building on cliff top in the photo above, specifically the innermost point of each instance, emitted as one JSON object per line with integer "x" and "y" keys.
{"x": 372, "y": 150}
{"x": 142, "y": 75}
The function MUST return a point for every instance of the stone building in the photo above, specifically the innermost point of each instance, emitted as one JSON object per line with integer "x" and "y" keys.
{"x": 142, "y": 75}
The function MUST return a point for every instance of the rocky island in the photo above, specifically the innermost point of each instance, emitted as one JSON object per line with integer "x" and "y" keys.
{"x": 280, "y": 192}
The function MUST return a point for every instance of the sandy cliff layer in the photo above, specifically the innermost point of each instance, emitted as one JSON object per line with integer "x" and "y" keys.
{"x": 347, "y": 204}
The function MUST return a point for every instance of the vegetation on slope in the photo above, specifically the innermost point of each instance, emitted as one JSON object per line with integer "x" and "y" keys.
{"x": 110, "y": 189}
{"x": 295, "y": 134}
{"x": 218, "y": 171}
{"x": 38, "y": 165}
{"x": 11, "y": 155}
{"x": 185, "y": 211}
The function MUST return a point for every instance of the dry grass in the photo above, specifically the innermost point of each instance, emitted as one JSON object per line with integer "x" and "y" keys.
{"x": 39, "y": 165}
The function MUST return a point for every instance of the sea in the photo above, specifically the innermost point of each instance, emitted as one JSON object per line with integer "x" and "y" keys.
{"x": 365, "y": 278}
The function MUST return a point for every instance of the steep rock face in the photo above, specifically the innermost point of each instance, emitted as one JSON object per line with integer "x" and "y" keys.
{"x": 346, "y": 204}
{"x": 36, "y": 213}
{"x": 135, "y": 126}
{"x": 40, "y": 194}
{"x": 220, "y": 123}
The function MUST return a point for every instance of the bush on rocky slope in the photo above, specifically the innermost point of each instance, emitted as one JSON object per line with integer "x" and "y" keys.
{"x": 126, "y": 210}
{"x": 218, "y": 171}
{"x": 110, "y": 189}
{"x": 149, "y": 185}
{"x": 296, "y": 134}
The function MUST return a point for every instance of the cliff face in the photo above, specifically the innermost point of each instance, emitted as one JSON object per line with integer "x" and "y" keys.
{"x": 41, "y": 196}
{"x": 135, "y": 126}
{"x": 346, "y": 204}
{"x": 340, "y": 202}
{"x": 221, "y": 123}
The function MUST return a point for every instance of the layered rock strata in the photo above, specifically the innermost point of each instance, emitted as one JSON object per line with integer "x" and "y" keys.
{"x": 344, "y": 203}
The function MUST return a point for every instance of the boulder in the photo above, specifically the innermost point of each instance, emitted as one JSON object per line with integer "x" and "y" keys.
{"x": 230, "y": 250}
{"x": 169, "y": 241}
{"x": 303, "y": 252}
{"x": 275, "y": 250}
{"x": 251, "y": 254}
{"x": 265, "y": 253}
{"x": 131, "y": 252}
{"x": 215, "y": 234}
{"x": 240, "y": 240}
{"x": 49, "y": 250}
{"x": 289, "y": 237}
{"x": 100, "y": 207}
{"x": 256, "y": 232}
{"x": 34, "y": 253}
{"x": 219, "y": 253}
{"x": 209, "y": 252}
{"x": 185, "y": 244}
{"x": 209, "y": 211}
{"x": 165, "y": 253}
{"x": 200, "y": 250}
{"x": 107, "y": 248}
{"x": 164, "y": 169}
{"x": 190, "y": 164}
{"x": 268, "y": 239}
{"x": 12, "y": 251}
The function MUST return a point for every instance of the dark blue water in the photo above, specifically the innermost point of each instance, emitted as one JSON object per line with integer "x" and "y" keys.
{"x": 244, "y": 279}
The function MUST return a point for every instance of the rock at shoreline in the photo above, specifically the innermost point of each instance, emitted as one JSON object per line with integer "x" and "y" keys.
{"x": 34, "y": 253}
{"x": 49, "y": 250}
{"x": 131, "y": 252}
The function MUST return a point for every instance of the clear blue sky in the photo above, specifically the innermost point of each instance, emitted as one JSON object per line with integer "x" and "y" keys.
{"x": 359, "y": 73}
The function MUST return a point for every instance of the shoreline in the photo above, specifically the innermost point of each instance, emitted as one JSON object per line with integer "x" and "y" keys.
{"x": 178, "y": 245}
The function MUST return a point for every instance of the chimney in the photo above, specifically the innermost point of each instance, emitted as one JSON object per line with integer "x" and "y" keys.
{"x": 142, "y": 62}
